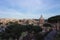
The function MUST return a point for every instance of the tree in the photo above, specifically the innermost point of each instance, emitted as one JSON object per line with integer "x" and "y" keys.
{"x": 56, "y": 20}
{"x": 14, "y": 30}
{"x": 1, "y": 23}
{"x": 47, "y": 25}
{"x": 37, "y": 29}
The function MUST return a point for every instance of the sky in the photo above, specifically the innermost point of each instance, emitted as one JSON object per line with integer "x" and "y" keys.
{"x": 29, "y": 9}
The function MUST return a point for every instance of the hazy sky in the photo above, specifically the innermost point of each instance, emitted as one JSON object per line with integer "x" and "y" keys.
{"x": 29, "y": 8}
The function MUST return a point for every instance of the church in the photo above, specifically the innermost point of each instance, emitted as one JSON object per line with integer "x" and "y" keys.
{"x": 41, "y": 21}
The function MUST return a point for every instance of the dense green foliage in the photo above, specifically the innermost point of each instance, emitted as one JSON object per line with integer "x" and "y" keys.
{"x": 54, "y": 19}
{"x": 14, "y": 30}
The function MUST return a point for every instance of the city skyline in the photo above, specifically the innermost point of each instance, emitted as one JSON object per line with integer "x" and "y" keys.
{"x": 28, "y": 9}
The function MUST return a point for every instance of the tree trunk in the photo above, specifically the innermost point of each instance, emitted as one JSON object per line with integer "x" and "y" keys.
{"x": 57, "y": 25}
